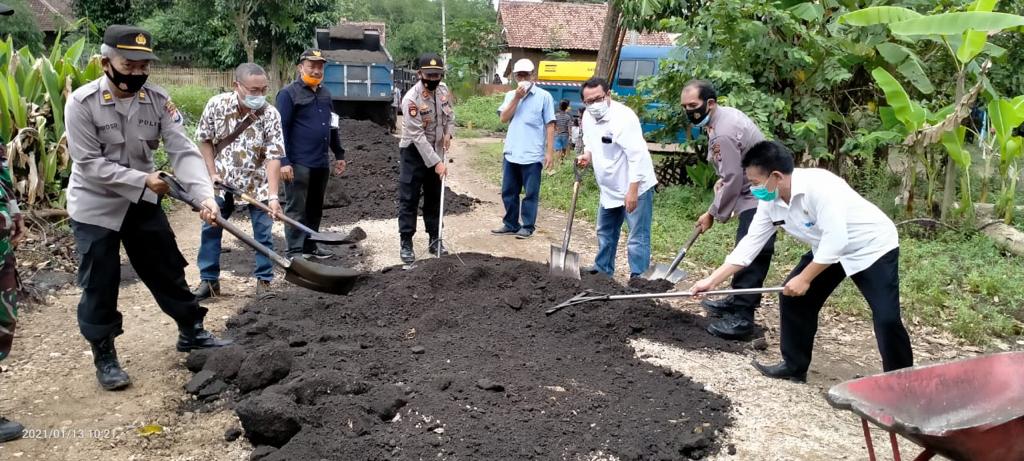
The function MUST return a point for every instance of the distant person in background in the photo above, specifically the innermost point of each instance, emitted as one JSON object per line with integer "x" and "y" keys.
{"x": 563, "y": 123}
{"x": 529, "y": 147}
{"x": 305, "y": 106}
{"x": 396, "y": 107}
{"x": 426, "y": 136}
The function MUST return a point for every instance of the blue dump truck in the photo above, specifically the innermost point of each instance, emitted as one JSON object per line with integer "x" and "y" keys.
{"x": 359, "y": 71}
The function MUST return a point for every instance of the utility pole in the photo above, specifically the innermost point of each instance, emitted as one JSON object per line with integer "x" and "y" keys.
{"x": 444, "y": 35}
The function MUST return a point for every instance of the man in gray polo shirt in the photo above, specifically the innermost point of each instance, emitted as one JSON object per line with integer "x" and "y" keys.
{"x": 730, "y": 134}
{"x": 530, "y": 114}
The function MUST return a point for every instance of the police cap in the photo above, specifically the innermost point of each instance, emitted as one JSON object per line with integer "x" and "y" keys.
{"x": 134, "y": 43}
{"x": 312, "y": 54}
{"x": 431, "y": 63}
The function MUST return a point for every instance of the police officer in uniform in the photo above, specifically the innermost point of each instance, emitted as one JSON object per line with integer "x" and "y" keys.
{"x": 426, "y": 135}
{"x": 114, "y": 124}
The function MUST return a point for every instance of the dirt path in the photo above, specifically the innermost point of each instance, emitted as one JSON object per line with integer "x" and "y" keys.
{"x": 48, "y": 383}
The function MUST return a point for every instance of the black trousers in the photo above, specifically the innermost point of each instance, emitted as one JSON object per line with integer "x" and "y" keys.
{"x": 416, "y": 179}
{"x": 880, "y": 285}
{"x": 305, "y": 203}
{"x": 153, "y": 252}
{"x": 753, "y": 275}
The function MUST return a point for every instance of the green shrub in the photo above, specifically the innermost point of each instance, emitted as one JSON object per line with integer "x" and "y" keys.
{"x": 191, "y": 100}
{"x": 480, "y": 112}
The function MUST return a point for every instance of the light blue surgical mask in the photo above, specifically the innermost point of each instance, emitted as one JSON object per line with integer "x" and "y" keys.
{"x": 255, "y": 102}
{"x": 761, "y": 192}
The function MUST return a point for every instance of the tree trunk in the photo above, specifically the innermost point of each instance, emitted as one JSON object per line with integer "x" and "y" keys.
{"x": 949, "y": 188}
{"x": 275, "y": 67}
{"x": 609, "y": 40}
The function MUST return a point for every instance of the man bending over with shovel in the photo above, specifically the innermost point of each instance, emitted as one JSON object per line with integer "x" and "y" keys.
{"x": 849, "y": 237}
{"x": 241, "y": 141}
{"x": 114, "y": 124}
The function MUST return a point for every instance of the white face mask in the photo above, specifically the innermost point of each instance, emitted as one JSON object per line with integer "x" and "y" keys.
{"x": 526, "y": 85}
{"x": 598, "y": 109}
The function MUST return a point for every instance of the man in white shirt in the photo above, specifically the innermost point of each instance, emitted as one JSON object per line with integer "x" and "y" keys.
{"x": 614, "y": 142}
{"x": 848, "y": 235}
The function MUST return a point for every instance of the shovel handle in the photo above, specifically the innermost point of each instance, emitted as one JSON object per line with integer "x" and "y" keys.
{"x": 258, "y": 204}
{"x": 177, "y": 191}
{"x": 572, "y": 208}
{"x": 682, "y": 252}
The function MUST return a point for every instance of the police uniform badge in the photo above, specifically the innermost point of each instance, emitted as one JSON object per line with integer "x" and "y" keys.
{"x": 107, "y": 96}
{"x": 413, "y": 110}
{"x": 173, "y": 111}
{"x": 717, "y": 150}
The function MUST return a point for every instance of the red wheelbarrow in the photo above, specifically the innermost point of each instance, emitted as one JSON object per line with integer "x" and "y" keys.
{"x": 967, "y": 410}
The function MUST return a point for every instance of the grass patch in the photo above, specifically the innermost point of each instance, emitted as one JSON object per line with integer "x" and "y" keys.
{"x": 481, "y": 113}
{"x": 961, "y": 283}
{"x": 191, "y": 100}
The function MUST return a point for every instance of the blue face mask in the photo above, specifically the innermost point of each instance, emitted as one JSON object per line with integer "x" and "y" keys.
{"x": 254, "y": 102}
{"x": 761, "y": 192}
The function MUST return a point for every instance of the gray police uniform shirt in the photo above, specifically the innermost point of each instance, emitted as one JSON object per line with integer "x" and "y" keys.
{"x": 111, "y": 143}
{"x": 730, "y": 135}
{"x": 427, "y": 119}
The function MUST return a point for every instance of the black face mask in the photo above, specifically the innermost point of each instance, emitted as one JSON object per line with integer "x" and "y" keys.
{"x": 699, "y": 114}
{"x": 431, "y": 84}
{"x": 128, "y": 83}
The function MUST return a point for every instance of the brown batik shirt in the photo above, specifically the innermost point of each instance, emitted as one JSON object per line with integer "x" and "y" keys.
{"x": 242, "y": 163}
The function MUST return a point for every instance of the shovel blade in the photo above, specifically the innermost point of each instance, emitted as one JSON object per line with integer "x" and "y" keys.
{"x": 661, "y": 272}
{"x": 357, "y": 234}
{"x": 564, "y": 264}
{"x": 318, "y": 277}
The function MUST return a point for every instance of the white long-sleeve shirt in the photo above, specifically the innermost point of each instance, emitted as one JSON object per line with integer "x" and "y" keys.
{"x": 624, "y": 160}
{"x": 825, "y": 213}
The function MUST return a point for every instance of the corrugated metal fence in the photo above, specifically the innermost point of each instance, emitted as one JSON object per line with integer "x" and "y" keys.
{"x": 180, "y": 76}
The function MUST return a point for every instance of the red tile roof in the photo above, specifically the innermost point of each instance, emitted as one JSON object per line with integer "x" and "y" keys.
{"x": 51, "y": 14}
{"x": 561, "y": 25}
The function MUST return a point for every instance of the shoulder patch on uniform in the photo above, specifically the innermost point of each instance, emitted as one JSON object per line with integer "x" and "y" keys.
{"x": 172, "y": 110}
{"x": 413, "y": 110}
{"x": 716, "y": 149}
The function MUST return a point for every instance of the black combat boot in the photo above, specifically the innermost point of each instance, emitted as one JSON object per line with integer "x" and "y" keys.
{"x": 434, "y": 244}
{"x": 196, "y": 337}
{"x": 407, "y": 254}
{"x": 719, "y": 307}
{"x": 108, "y": 369}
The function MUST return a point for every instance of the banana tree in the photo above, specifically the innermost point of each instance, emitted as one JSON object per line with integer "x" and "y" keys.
{"x": 1006, "y": 115}
{"x": 964, "y": 34}
{"x": 33, "y": 91}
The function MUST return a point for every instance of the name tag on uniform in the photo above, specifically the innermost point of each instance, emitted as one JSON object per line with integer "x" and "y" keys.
{"x": 779, "y": 223}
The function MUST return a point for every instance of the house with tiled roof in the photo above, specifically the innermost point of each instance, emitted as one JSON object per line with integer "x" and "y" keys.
{"x": 531, "y": 29}
{"x": 51, "y": 16}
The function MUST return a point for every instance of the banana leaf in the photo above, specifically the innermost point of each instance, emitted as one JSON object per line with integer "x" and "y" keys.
{"x": 907, "y": 64}
{"x": 6, "y": 124}
{"x": 974, "y": 41}
{"x": 953, "y": 141}
{"x": 957, "y": 23}
{"x": 878, "y": 15}
{"x": 17, "y": 106}
{"x": 55, "y": 91}
{"x": 907, "y": 111}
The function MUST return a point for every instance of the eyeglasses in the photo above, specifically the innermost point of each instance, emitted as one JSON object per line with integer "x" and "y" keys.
{"x": 595, "y": 100}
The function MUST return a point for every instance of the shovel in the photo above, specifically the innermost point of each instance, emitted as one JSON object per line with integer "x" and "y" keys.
{"x": 317, "y": 277}
{"x": 669, "y": 272}
{"x": 328, "y": 238}
{"x": 591, "y": 296}
{"x": 562, "y": 262}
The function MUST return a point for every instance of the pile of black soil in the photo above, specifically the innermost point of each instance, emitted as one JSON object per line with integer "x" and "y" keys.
{"x": 455, "y": 359}
{"x": 369, "y": 187}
